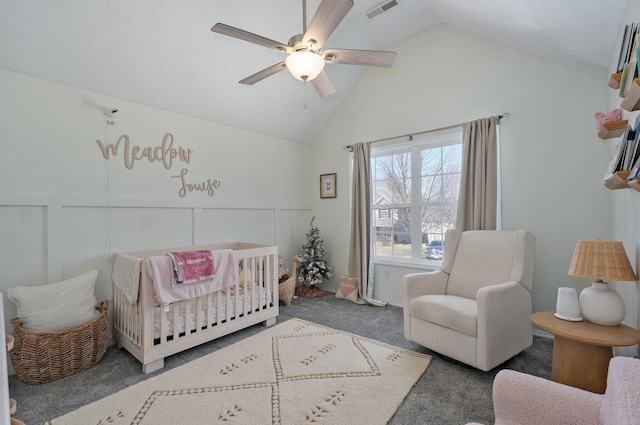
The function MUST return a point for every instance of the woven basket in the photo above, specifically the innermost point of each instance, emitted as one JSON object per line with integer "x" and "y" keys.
{"x": 288, "y": 287}
{"x": 286, "y": 290}
{"x": 40, "y": 357}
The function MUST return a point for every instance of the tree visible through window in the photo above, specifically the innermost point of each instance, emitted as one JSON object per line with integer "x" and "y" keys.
{"x": 415, "y": 196}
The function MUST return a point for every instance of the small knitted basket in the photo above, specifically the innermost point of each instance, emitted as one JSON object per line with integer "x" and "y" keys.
{"x": 40, "y": 357}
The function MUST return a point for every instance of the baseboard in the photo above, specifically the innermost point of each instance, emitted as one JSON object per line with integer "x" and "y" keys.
{"x": 544, "y": 334}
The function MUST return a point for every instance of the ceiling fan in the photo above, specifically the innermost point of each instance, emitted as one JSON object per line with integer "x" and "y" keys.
{"x": 305, "y": 57}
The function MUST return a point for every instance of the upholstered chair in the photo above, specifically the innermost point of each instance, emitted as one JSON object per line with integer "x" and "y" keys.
{"x": 521, "y": 399}
{"x": 476, "y": 308}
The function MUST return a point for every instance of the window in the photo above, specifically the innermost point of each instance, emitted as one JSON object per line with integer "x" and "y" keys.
{"x": 415, "y": 197}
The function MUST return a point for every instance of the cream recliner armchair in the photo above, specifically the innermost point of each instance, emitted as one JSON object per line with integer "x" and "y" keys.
{"x": 476, "y": 308}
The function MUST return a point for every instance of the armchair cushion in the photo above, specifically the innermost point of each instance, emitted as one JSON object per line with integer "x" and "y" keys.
{"x": 457, "y": 313}
{"x": 482, "y": 259}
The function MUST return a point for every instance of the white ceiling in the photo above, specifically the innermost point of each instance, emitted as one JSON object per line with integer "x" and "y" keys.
{"x": 162, "y": 53}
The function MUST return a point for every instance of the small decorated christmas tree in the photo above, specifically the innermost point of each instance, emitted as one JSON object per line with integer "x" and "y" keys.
{"x": 313, "y": 267}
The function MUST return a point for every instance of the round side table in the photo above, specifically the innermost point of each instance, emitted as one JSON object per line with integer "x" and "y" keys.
{"x": 582, "y": 350}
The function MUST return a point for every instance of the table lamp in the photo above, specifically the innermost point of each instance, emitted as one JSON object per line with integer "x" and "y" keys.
{"x": 601, "y": 260}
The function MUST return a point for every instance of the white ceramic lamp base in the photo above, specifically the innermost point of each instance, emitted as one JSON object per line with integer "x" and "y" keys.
{"x": 601, "y": 304}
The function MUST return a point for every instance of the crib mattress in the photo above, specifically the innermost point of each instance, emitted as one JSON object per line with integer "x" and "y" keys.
{"x": 245, "y": 304}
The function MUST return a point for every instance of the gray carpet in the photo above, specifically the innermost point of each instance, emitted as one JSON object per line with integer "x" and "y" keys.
{"x": 448, "y": 393}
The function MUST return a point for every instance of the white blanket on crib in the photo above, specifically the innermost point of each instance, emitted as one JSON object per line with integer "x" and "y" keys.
{"x": 126, "y": 276}
{"x": 159, "y": 270}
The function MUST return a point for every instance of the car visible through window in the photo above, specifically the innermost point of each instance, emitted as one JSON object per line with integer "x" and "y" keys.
{"x": 434, "y": 250}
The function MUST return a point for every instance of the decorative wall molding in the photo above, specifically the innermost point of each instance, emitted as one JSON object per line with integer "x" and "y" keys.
{"x": 47, "y": 200}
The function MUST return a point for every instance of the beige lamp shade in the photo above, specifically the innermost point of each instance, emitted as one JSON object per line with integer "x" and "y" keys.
{"x": 601, "y": 260}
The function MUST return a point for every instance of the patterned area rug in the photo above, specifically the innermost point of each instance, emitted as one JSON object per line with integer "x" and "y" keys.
{"x": 296, "y": 372}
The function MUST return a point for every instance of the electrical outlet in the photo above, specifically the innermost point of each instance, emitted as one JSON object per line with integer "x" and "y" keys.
{"x": 386, "y": 274}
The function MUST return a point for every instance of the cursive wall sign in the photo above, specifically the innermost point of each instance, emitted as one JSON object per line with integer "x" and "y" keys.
{"x": 165, "y": 153}
{"x": 209, "y": 186}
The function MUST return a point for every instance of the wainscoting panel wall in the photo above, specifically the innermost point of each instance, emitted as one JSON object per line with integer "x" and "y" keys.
{"x": 48, "y": 243}
{"x": 254, "y": 225}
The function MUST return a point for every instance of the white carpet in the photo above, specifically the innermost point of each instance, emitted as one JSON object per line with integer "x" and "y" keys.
{"x": 296, "y": 372}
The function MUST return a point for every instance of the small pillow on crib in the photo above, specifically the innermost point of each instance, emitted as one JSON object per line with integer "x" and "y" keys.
{"x": 348, "y": 288}
{"x": 248, "y": 278}
{"x": 58, "y": 306}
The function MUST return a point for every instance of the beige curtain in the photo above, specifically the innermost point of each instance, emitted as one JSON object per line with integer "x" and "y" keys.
{"x": 477, "y": 201}
{"x": 360, "y": 265}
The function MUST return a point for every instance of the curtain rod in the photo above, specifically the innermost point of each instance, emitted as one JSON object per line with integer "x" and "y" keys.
{"x": 410, "y": 135}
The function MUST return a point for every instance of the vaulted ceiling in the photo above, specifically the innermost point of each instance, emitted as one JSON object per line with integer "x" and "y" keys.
{"x": 162, "y": 53}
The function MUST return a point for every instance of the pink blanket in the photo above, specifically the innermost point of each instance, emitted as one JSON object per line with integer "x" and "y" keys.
{"x": 191, "y": 267}
{"x": 160, "y": 271}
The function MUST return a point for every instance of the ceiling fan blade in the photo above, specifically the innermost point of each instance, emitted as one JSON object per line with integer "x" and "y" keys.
{"x": 248, "y": 36}
{"x": 323, "y": 84}
{"x": 326, "y": 19}
{"x": 360, "y": 57}
{"x": 261, "y": 75}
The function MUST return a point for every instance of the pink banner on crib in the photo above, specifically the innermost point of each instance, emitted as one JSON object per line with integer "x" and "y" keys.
{"x": 160, "y": 270}
{"x": 191, "y": 267}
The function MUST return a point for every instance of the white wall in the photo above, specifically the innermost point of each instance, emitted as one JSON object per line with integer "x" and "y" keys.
{"x": 56, "y": 188}
{"x": 64, "y": 209}
{"x": 625, "y": 203}
{"x": 553, "y": 162}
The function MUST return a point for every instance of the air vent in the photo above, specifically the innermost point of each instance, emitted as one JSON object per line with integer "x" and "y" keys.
{"x": 381, "y": 9}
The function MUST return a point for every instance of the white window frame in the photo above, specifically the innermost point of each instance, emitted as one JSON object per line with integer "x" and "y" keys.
{"x": 414, "y": 146}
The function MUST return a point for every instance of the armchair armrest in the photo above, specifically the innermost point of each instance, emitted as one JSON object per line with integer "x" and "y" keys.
{"x": 504, "y": 327}
{"x": 524, "y": 399}
{"x": 430, "y": 283}
{"x": 416, "y": 284}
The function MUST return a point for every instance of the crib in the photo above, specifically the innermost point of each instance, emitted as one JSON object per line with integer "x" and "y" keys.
{"x": 151, "y": 332}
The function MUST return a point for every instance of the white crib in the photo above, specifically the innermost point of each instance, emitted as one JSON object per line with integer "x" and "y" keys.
{"x": 152, "y": 333}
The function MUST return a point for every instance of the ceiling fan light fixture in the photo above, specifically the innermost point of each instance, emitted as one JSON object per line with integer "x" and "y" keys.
{"x": 304, "y": 65}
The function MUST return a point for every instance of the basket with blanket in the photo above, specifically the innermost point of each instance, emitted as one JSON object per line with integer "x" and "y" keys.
{"x": 59, "y": 331}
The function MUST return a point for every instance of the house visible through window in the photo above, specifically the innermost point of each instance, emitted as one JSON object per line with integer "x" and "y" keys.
{"x": 415, "y": 189}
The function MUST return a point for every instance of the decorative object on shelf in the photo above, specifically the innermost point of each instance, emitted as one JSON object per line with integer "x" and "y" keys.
{"x": 603, "y": 118}
{"x": 313, "y": 268}
{"x": 600, "y": 260}
{"x": 328, "y": 185}
{"x": 567, "y": 307}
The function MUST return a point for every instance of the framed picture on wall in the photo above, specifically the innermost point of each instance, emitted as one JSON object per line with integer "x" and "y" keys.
{"x": 328, "y": 185}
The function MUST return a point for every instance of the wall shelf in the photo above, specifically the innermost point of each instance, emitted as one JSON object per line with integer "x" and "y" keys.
{"x": 614, "y": 81}
{"x": 612, "y": 129}
{"x": 617, "y": 180}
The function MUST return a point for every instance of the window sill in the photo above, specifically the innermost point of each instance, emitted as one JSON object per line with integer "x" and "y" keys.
{"x": 408, "y": 264}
